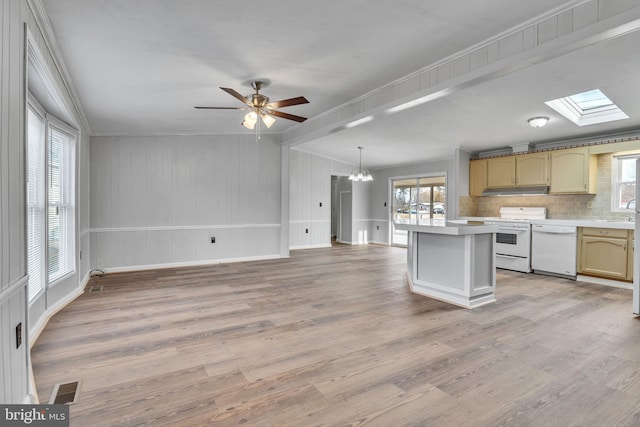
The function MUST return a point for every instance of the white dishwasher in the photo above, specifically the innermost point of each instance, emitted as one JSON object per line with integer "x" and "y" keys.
{"x": 554, "y": 249}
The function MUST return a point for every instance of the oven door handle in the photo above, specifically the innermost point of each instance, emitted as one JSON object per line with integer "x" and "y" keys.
{"x": 521, "y": 230}
{"x": 508, "y": 256}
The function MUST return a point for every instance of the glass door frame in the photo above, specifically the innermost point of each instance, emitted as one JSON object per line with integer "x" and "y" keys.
{"x": 416, "y": 219}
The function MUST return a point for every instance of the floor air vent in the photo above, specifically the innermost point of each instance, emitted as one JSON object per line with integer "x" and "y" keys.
{"x": 66, "y": 393}
{"x": 95, "y": 289}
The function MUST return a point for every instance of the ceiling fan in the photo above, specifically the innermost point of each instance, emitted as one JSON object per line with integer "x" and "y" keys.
{"x": 260, "y": 106}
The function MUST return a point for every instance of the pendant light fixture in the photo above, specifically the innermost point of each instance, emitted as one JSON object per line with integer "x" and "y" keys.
{"x": 362, "y": 175}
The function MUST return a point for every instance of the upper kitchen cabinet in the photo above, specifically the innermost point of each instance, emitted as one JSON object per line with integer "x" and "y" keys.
{"x": 477, "y": 177}
{"x": 501, "y": 172}
{"x": 532, "y": 169}
{"x": 523, "y": 170}
{"x": 573, "y": 171}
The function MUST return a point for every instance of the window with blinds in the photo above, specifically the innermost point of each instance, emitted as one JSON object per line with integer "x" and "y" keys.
{"x": 50, "y": 200}
{"x": 36, "y": 202}
{"x": 60, "y": 196}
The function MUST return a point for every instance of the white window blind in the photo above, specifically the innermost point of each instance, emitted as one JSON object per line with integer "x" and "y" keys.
{"x": 36, "y": 183}
{"x": 60, "y": 194}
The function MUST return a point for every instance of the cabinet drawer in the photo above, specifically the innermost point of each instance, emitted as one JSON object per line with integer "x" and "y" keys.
{"x": 605, "y": 232}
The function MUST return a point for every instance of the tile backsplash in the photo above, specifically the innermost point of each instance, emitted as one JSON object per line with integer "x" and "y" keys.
{"x": 574, "y": 206}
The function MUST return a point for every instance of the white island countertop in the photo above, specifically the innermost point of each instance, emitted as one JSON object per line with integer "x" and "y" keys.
{"x": 441, "y": 226}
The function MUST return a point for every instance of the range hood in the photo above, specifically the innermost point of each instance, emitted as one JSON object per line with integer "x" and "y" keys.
{"x": 517, "y": 191}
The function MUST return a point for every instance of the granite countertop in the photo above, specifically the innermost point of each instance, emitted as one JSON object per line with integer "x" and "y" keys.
{"x": 600, "y": 223}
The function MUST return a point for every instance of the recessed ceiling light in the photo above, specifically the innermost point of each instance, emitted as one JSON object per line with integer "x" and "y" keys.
{"x": 588, "y": 108}
{"x": 538, "y": 122}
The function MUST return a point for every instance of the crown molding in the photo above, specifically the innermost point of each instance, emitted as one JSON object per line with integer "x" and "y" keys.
{"x": 46, "y": 30}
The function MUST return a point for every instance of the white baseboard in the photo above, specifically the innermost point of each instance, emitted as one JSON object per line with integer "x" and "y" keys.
{"x": 187, "y": 264}
{"x": 353, "y": 243}
{"x": 375, "y": 242}
{"x": 605, "y": 282}
{"x": 295, "y": 248}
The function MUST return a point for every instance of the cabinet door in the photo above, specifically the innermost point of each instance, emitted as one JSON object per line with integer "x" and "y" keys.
{"x": 477, "y": 177}
{"x": 532, "y": 169}
{"x": 572, "y": 171}
{"x": 501, "y": 172}
{"x": 604, "y": 257}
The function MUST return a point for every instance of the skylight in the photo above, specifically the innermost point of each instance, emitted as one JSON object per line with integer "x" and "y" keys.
{"x": 588, "y": 108}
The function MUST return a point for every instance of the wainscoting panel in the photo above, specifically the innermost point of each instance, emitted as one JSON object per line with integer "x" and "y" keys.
{"x": 160, "y": 199}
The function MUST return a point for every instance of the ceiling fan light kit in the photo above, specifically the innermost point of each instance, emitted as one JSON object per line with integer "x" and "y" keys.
{"x": 361, "y": 175}
{"x": 261, "y": 108}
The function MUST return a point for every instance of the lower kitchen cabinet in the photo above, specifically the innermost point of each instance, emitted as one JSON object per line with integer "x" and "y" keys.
{"x": 604, "y": 252}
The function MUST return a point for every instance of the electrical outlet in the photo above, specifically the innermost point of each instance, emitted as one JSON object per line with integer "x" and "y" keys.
{"x": 18, "y": 335}
{"x": 377, "y": 227}
{"x": 306, "y": 230}
{"x": 385, "y": 204}
{"x": 213, "y": 239}
{"x": 320, "y": 204}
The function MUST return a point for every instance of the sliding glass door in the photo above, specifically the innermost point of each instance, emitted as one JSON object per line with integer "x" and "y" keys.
{"x": 416, "y": 201}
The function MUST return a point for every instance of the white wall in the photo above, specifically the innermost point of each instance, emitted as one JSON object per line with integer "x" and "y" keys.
{"x": 158, "y": 200}
{"x": 309, "y": 186}
{"x": 310, "y": 183}
{"x": 361, "y": 213}
{"x": 13, "y": 361}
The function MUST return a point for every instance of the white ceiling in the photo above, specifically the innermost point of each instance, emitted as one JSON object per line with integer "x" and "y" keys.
{"x": 139, "y": 67}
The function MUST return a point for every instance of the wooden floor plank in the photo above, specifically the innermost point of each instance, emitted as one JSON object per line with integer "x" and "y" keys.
{"x": 333, "y": 337}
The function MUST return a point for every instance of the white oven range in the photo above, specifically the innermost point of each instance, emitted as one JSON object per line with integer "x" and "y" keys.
{"x": 513, "y": 238}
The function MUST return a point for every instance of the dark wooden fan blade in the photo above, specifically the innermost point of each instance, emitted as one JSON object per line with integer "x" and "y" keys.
{"x": 287, "y": 102}
{"x": 220, "y": 108}
{"x": 287, "y": 116}
{"x": 235, "y": 94}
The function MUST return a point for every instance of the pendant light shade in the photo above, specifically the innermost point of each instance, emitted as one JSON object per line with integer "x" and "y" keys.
{"x": 361, "y": 175}
{"x": 250, "y": 120}
{"x": 267, "y": 119}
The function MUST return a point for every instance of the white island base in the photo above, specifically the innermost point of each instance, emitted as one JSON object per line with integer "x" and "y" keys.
{"x": 454, "y": 263}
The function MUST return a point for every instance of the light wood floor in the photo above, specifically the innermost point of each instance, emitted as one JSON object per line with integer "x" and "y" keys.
{"x": 333, "y": 337}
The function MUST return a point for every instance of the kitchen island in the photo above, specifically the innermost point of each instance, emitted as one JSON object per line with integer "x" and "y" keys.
{"x": 451, "y": 261}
